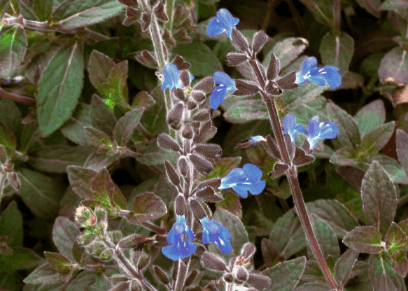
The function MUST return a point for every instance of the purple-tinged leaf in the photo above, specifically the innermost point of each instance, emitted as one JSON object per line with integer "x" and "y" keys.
{"x": 101, "y": 115}
{"x": 379, "y": 198}
{"x": 270, "y": 254}
{"x": 7, "y": 140}
{"x": 370, "y": 116}
{"x": 285, "y": 276}
{"x": 99, "y": 66}
{"x": 395, "y": 239}
{"x": 44, "y": 274}
{"x": 344, "y": 266}
{"x": 364, "y": 239}
{"x": 349, "y": 134}
{"x": 21, "y": 259}
{"x": 98, "y": 139}
{"x": 371, "y": 6}
{"x": 345, "y": 156}
{"x": 146, "y": 206}
{"x": 243, "y": 111}
{"x": 394, "y": 67}
{"x": 74, "y": 128}
{"x": 337, "y": 51}
{"x": 126, "y": 125}
{"x": 11, "y": 224}
{"x": 399, "y": 6}
{"x": 13, "y": 46}
{"x": 58, "y": 262}
{"x": 143, "y": 99}
{"x": 287, "y": 51}
{"x": 383, "y": 277}
{"x": 400, "y": 265}
{"x": 376, "y": 139}
{"x": 313, "y": 273}
{"x": 313, "y": 287}
{"x": 402, "y": 147}
{"x": 326, "y": 238}
{"x": 80, "y": 180}
{"x": 64, "y": 234}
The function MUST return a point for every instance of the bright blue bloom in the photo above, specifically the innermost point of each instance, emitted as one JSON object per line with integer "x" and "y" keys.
{"x": 180, "y": 238}
{"x": 244, "y": 180}
{"x": 223, "y": 22}
{"x": 172, "y": 77}
{"x": 214, "y": 232}
{"x": 291, "y": 127}
{"x": 318, "y": 76}
{"x": 256, "y": 139}
{"x": 226, "y": 83}
{"x": 320, "y": 130}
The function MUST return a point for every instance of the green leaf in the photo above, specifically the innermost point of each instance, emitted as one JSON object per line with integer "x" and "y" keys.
{"x": 376, "y": 139}
{"x": 313, "y": 287}
{"x": 98, "y": 161}
{"x": 56, "y": 159}
{"x": 74, "y": 128}
{"x": 80, "y": 180}
{"x": 115, "y": 88}
{"x": 349, "y": 134}
{"x": 335, "y": 214}
{"x": 394, "y": 67}
{"x": 40, "y": 193}
{"x": 202, "y": 60}
{"x": 77, "y": 13}
{"x": 64, "y": 235}
{"x": 11, "y": 281}
{"x": 59, "y": 88}
{"x": 370, "y": 65}
{"x": 11, "y": 116}
{"x": 371, "y": 6}
{"x": 239, "y": 235}
{"x": 102, "y": 117}
{"x": 322, "y": 11}
{"x": 21, "y": 259}
{"x": 13, "y": 46}
{"x": 297, "y": 97}
{"x": 285, "y": 276}
{"x": 306, "y": 110}
{"x": 99, "y": 139}
{"x": 223, "y": 166}
{"x": 313, "y": 273}
{"x": 4, "y": 4}
{"x": 364, "y": 239}
{"x": 392, "y": 167}
{"x": 146, "y": 206}
{"x": 351, "y": 80}
{"x": 153, "y": 155}
{"x": 399, "y": 6}
{"x": 230, "y": 203}
{"x": 11, "y": 224}
{"x": 286, "y": 51}
{"x": 43, "y": 9}
{"x": 143, "y": 99}
{"x": 326, "y": 238}
{"x": 379, "y": 198}
{"x": 15, "y": 7}
{"x": 7, "y": 140}
{"x": 344, "y": 157}
{"x": 58, "y": 262}
{"x": 99, "y": 66}
{"x": 383, "y": 277}
{"x": 344, "y": 266}
{"x": 395, "y": 238}
{"x": 243, "y": 111}
{"x": 43, "y": 275}
{"x": 402, "y": 147}
{"x": 126, "y": 125}
{"x": 337, "y": 50}
{"x": 287, "y": 234}
{"x": 370, "y": 116}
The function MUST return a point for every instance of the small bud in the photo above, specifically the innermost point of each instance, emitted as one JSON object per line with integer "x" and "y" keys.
{"x": 161, "y": 275}
{"x": 191, "y": 105}
{"x": 101, "y": 216}
{"x": 85, "y": 217}
{"x": 174, "y": 271}
{"x": 278, "y": 170}
{"x": 195, "y": 125}
{"x": 190, "y": 279}
{"x": 146, "y": 59}
{"x": 134, "y": 241}
{"x": 180, "y": 205}
{"x": 211, "y": 261}
{"x": 13, "y": 179}
{"x": 290, "y": 146}
{"x": 206, "y": 85}
{"x": 131, "y": 3}
{"x": 115, "y": 236}
{"x": 172, "y": 173}
{"x": 273, "y": 89}
{"x": 131, "y": 16}
{"x": 167, "y": 143}
{"x": 248, "y": 250}
{"x": 115, "y": 279}
{"x": 239, "y": 41}
{"x": 197, "y": 209}
{"x": 202, "y": 115}
{"x": 228, "y": 278}
{"x": 206, "y": 132}
{"x": 207, "y": 194}
{"x": 159, "y": 11}
{"x": 146, "y": 18}
{"x": 215, "y": 183}
{"x": 242, "y": 274}
{"x": 245, "y": 88}
{"x": 301, "y": 158}
{"x": 202, "y": 165}
{"x": 95, "y": 248}
{"x": 272, "y": 148}
{"x": 179, "y": 94}
{"x": 180, "y": 63}
{"x": 168, "y": 38}
{"x": 287, "y": 82}
{"x": 211, "y": 151}
{"x": 175, "y": 115}
{"x": 85, "y": 239}
{"x": 182, "y": 36}
{"x": 107, "y": 255}
{"x": 198, "y": 96}
{"x": 235, "y": 59}
{"x": 135, "y": 286}
{"x": 143, "y": 261}
{"x": 183, "y": 166}
{"x": 185, "y": 78}
{"x": 273, "y": 67}
{"x": 258, "y": 281}
{"x": 258, "y": 42}
{"x": 187, "y": 131}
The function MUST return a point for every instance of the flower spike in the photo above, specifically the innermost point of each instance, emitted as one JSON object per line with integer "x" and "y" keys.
{"x": 214, "y": 232}
{"x": 320, "y": 130}
{"x": 319, "y": 76}
{"x": 291, "y": 127}
{"x": 180, "y": 238}
{"x": 226, "y": 83}
{"x": 223, "y": 22}
{"x": 244, "y": 180}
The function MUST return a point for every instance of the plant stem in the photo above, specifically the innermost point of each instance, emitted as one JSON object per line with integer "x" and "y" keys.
{"x": 17, "y": 98}
{"x": 336, "y": 14}
{"x": 169, "y": 11}
{"x": 292, "y": 177}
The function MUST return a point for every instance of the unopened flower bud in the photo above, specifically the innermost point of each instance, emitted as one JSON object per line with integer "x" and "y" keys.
{"x": 206, "y": 85}
{"x": 228, "y": 278}
{"x": 143, "y": 261}
{"x": 172, "y": 173}
{"x": 167, "y": 143}
{"x": 198, "y": 96}
{"x": 258, "y": 281}
{"x": 259, "y": 40}
{"x": 208, "y": 194}
{"x": 13, "y": 179}
{"x": 85, "y": 217}
{"x": 239, "y": 41}
{"x": 191, "y": 105}
{"x": 175, "y": 115}
{"x": 211, "y": 261}
{"x": 179, "y": 94}
{"x": 197, "y": 209}
{"x": 146, "y": 59}
{"x": 248, "y": 250}
{"x": 180, "y": 205}
{"x": 134, "y": 241}
{"x": 161, "y": 275}
{"x": 85, "y": 239}
{"x": 183, "y": 166}
{"x": 135, "y": 286}
{"x": 180, "y": 63}
{"x": 146, "y": 19}
{"x": 202, "y": 115}
{"x": 273, "y": 67}
{"x": 195, "y": 125}
{"x": 190, "y": 279}
{"x": 95, "y": 248}
{"x": 107, "y": 255}
{"x": 207, "y": 131}
{"x": 202, "y": 165}
{"x": 211, "y": 151}
{"x": 242, "y": 274}
{"x": 235, "y": 59}
{"x": 185, "y": 78}
{"x": 187, "y": 131}
{"x": 159, "y": 11}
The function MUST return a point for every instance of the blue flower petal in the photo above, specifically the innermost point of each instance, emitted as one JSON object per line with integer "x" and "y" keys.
{"x": 291, "y": 127}
{"x": 320, "y": 130}
{"x": 215, "y": 232}
{"x": 242, "y": 180}
{"x": 253, "y": 172}
{"x": 222, "y": 78}
{"x": 171, "y": 77}
{"x": 308, "y": 64}
{"x": 318, "y": 80}
{"x": 224, "y": 245}
{"x": 328, "y": 130}
{"x": 333, "y": 79}
{"x": 313, "y": 127}
{"x": 223, "y": 22}
{"x": 214, "y": 28}
{"x": 300, "y": 129}
{"x": 257, "y": 187}
{"x": 235, "y": 176}
{"x": 242, "y": 190}
{"x": 300, "y": 79}
{"x": 217, "y": 96}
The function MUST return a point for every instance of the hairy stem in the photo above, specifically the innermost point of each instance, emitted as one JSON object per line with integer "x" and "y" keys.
{"x": 336, "y": 14}
{"x": 169, "y": 11}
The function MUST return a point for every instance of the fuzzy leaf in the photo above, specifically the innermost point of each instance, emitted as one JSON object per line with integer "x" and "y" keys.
{"x": 13, "y": 46}
{"x": 126, "y": 125}
{"x": 80, "y": 180}
{"x": 64, "y": 235}
{"x": 146, "y": 206}
{"x": 344, "y": 266}
{"x": 383, "y": 277}
{"x": 58, "y": 262}
{"x": 11, "y": 224}
{"x": 370, "y": 116}
{"x": 326, "y": 238}
{"x": 43, "y": 275}
{"x": 246, "y": 110}
{"x": 102, "y": 116}
{"x": 7, "y": 140}
{"x": 349, "y": 134}
{"x": 322, "y": 11}
{"x": 364, "y": 239}
{"x": 286, "y": 51}
{"x": 74, "y": 128}
{"x": 371, "y": 6}
{"x": 402, "y": 147}
{"x": 395, "y": 239}
{"x": 337, "y": 51}
{"x": 376, "y": 139}
{"x": 394, "y": 67}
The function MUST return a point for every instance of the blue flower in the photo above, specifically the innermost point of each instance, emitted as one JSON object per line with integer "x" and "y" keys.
{"x": 180, "y": 238}
{"x": 214, "y": 232}
{"x": 318, "y": 76}
{"x": 256, "y": 139}
{"x": 320, "y": 130}
{"x": 223, "y": 22}
{"x": 244, "y": 180}
{"x": 291, "y": 127}
{"x": 248, "y": 143}
{"x": 226, "y": 83}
